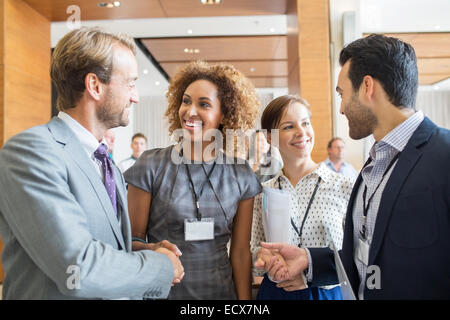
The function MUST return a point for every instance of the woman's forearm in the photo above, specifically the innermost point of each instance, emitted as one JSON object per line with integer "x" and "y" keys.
{"x": 241, "y": 261}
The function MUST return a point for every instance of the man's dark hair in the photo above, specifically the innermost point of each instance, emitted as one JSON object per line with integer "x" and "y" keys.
{"x": 139, "y": 135}
{"x": 390, "y": 61}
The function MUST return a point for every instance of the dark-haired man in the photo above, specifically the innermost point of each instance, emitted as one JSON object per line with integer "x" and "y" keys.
{"x": 138, "y": 145}
{"x": 396, "y": 243}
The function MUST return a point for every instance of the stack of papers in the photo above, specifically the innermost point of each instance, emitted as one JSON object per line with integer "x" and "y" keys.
{"x": 276, "y": 216}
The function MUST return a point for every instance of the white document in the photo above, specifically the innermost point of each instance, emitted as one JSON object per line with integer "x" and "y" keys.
{"x": 346, "y": 288}
{"x": 276, "y": 216}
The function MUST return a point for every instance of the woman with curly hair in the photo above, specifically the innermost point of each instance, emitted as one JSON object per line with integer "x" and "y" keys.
{"x": 201, "y": 202}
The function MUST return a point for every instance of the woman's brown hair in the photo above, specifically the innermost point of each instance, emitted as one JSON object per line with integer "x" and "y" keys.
{"x": 238, "y": 100}
{"x": 273, "y": 113}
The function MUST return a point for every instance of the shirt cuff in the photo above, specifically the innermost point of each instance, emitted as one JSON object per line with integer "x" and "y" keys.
{"x": 309, "y": 272}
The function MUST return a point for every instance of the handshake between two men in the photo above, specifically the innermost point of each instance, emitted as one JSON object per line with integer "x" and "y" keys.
{"x": 284, "y": 263}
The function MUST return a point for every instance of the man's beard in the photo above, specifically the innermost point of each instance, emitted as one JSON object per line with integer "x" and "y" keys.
{"x": 361, "y": 120}
{"x": 109, "y": 119}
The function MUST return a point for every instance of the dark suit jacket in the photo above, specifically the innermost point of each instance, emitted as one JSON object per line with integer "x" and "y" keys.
{"x": 411, "y": 240}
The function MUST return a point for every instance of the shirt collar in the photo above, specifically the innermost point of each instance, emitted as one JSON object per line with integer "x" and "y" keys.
{"x": 400, "y": 135}
{"x": 87, "y": 139}
{"x": 321, "y": 171}
{"x": 329, "y": 163}
{"x": 397, "y": 138}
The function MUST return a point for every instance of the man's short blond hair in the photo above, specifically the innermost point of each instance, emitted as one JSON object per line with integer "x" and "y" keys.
{"x": 79, "y": 52}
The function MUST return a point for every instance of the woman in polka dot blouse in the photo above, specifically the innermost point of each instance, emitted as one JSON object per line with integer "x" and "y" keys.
{"x": 318, "y": 197}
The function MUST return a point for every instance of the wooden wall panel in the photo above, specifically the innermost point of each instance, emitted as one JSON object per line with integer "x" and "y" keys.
{"x": 292, "y": 48}
{"x": 428, "y": 79}
{"x": 312, "y": 65}
{"x": 25, "y": 90}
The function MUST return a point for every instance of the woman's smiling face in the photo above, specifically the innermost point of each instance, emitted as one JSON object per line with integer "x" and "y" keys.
{"x": 296, "y": 135}
{"x": 200, "y": 109}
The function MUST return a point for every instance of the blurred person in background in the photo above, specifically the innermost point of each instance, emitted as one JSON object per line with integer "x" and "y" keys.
{"x": 110, "y": 138}
{"x": 138, "y": 145}
{"x": 335, "y": 161}
{"x": 264, "y": 158}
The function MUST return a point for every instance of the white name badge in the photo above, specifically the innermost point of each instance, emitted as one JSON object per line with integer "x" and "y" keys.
{"x": 363, "y": 251}
{"x": 195, "y": 230}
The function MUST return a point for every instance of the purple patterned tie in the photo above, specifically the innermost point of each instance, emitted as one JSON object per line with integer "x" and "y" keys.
{"x": 102, "y": 154}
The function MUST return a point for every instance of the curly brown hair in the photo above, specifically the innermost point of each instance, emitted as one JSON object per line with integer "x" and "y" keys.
{"x": 238, "y": 100}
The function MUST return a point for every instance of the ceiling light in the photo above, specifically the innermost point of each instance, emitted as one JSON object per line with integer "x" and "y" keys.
{"x": 437, "y": 27}
{"x": 272, "y": 29}
{"x": 252, "y": 69}
{"x": 189, "y": 31}
{"x": 157, "y": 83}
{"x": 186, "y": 50}
{"x": 145, "y": 71}
{"x": 109, "y": 4}
{"x": 211, "y": 1}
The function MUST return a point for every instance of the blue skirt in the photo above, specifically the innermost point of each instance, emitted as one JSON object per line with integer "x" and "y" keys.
{"x": 269, "y": 291}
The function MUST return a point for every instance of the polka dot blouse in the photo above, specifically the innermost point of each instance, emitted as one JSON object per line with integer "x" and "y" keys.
{"x": 325, "y": 220}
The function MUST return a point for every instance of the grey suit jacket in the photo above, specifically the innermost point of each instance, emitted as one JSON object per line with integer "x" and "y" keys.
{"x": 62, "y": 239}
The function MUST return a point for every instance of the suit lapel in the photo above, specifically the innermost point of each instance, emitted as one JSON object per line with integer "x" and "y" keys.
{"x": 123, "y": 204}
{"x": 406, "y": 162}
{"x": 347, "y": 246}
{"x": 72, "y": 146}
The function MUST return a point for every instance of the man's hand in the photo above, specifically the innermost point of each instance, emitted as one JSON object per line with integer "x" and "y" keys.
{"x": 265, "y": 256}
{"x": 292, "y": 285}
{"x": 164, "y": 244}
{"x": 177, "y": 266}
{"x": 290, "y": 262}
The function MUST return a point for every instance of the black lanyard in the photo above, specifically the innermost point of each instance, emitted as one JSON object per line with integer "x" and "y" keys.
{"x": 307, "y": 209}
{"x": 197, "y": 197}
{"x": 366, "y": 207}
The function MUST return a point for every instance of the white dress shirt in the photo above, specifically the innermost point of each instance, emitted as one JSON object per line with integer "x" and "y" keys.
{"x": 87, "y": 140}
{"x": 381, "y": 154}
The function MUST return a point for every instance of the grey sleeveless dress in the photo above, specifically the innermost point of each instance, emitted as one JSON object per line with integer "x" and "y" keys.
{"x": 208, "y": 273}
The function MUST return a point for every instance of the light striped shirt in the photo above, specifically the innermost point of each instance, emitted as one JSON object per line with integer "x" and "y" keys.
{"x": 381, "y": 154}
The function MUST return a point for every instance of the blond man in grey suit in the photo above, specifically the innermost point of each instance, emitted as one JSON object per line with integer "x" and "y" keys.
{"x": 63, "y": 206}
